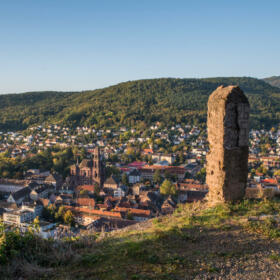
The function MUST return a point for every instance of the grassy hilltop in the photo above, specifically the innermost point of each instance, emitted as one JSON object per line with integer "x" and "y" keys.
{"x": 136, "y": 104}
{"x": 196, "y": 242}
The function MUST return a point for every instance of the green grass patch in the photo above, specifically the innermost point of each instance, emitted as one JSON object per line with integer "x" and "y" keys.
{"x": 267, "y": 227}
{"x": 275, "y": 257}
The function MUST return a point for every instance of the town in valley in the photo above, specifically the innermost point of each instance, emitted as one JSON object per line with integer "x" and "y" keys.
{"x": 64, "y": 182}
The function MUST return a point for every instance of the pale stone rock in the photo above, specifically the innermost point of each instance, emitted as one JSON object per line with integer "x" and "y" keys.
{"x": 228, "y": 133}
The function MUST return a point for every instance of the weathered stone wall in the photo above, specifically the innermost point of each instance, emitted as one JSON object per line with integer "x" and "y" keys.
{"x": 228, "y": 133}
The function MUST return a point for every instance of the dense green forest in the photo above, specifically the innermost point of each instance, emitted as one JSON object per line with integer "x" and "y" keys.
{"x": 274, "y": 81}
{"x": 135, "y": 104}
{"x": 56, "y": 160}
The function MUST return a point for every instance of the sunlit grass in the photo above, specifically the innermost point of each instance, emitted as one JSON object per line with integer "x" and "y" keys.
{"x": 154, "y": 251}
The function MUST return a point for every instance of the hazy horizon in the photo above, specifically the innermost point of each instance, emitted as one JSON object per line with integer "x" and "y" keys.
{"x": 120, "y": 82}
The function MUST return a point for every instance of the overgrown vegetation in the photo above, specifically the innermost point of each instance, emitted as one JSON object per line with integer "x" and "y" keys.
{"x": 135, "y": 104}
{"x": 164, "y": 248}
{"x": 55, "y": 160}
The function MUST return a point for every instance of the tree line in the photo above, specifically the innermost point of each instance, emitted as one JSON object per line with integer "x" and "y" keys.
{"x": 135, "y": 104}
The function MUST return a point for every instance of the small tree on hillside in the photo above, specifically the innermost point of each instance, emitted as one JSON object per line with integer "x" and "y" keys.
{"x": 167, "y": 188}
{"x": 36, "y": 224}
{"x": 157, "y": 177}
{"x": 68, "y": 217}
{"x": 60, "y": 213}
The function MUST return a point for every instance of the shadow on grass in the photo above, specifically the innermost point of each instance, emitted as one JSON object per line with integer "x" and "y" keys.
{"x": 176, "y": 247}
{"x": 173, "y": 254}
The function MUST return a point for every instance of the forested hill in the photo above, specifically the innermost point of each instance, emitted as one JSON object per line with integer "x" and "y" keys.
{"x": 274, "y": 81}
{"x": 135, "y": 104}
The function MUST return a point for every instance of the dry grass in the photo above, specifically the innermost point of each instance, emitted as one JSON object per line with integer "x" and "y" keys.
{"x": 163, "y": 248}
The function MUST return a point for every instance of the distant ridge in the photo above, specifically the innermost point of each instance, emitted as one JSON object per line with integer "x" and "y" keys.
{"x": 274, "y": 81}
{"x": 136, "y": 104}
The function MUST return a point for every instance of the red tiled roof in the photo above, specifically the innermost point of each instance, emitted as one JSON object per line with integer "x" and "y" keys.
{"x": 137, "y": 212}
{"x": 89, "y": 188}
{"x": 270, "y": 181}
{"x": 124, "y": 169}
{"x": 148, "y": 151}
{"x": 137, "y": 164}
{"x": 86, "y": 202}
{"x": 95, "y": 212}
{"x": 174, "y": 169}
{"x": 102, "y": 206}
{"x": 253, "y": 159}
{"x": 189, "y": 180}
{"x": 269, "y": 158}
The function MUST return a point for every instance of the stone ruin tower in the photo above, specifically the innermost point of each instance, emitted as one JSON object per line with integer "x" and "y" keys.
{"x": 228, "y": 133}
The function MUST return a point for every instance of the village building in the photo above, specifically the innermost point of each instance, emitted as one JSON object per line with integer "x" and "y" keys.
{"x": 112, "y": 183}
{"x": 85, "y": 189}
{"x": 270, "y": 161}
{"x": 148, "y": 171}
{"x": 39, "y": 192}
{"x": 89, "y": 171}
{"x": 54, "y": 179}
{"x": 36, "y": 207}
{"x": 18, "y": 196}
{"x": 134, "y": 176}
{"x": 168, "y": 206}
{"x": 86, "y": 202}
{"x": 18, "y": 217}
{"x": 162, "y": 157}
{"x": 121, "y": 191}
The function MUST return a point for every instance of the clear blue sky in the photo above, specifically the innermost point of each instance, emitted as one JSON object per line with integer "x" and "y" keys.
{"x": 76, "y": 45}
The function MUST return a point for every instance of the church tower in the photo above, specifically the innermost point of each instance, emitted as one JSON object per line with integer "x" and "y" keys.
{"x": 97, "y": 167}
{"x": 89, "y": 171}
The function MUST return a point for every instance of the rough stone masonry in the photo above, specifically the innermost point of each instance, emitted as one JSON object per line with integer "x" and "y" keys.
{"x": 228, "y": 133}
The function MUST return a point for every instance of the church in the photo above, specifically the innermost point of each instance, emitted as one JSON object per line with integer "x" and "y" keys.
{"x": 89, "y": 171}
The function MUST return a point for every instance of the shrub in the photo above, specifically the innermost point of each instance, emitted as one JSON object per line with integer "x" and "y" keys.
{"x": 14, "y": 244}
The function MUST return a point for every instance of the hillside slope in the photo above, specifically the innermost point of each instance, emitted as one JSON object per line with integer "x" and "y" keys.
{"x": 273, "y": 81}
{"x": 196, "y": 242}
{"x": 136, "y": 104}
